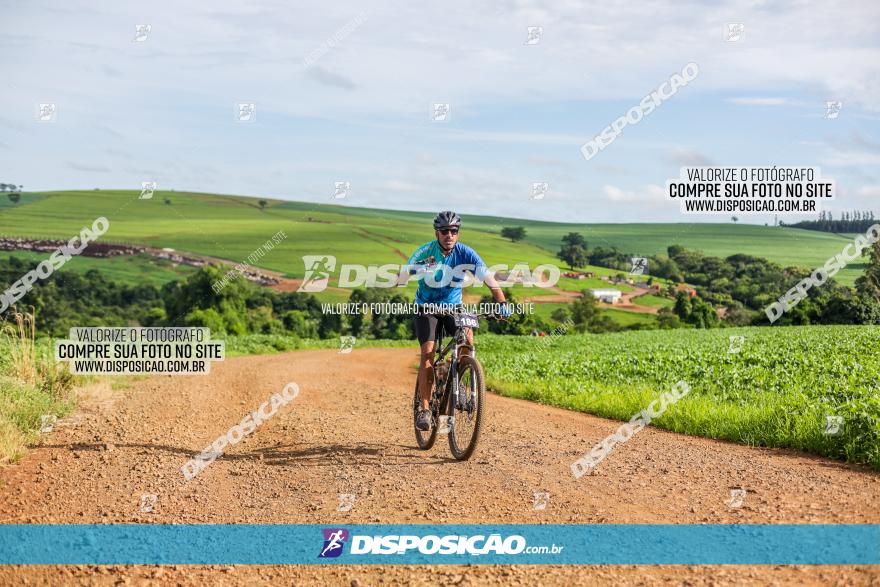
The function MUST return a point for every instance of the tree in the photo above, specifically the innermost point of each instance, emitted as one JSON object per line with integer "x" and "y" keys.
{"x": 574, "y": 238}
{"x": 573, "y": 255}
{"x": 737, "y": 315}
{"x": 298, "y": 322}
{"x": 167, "y": 202}
{"x": 263, "y": 204}
{"x": 682, "y": 306}
{"x": 667, "y": 320}
{"x": 868, "y": 285}
{"x": 663, "y": 266}
{"x": 561, "y": 315}
{"x": 674, "y": 251}
{"x": 514, "y": 233}
{"x": 231, "y": 303}
{"x": 705, "y": 314}
{"x": 587, "y": 317}
{"x": 518, "y": 324}
{"x": 735, "y": 219}
{"x": 15, "y": 198}
{"x": 573, "y": 251}
{"x": 584, "y": 310}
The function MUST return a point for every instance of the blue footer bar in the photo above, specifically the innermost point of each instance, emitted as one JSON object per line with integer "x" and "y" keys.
{"x": 264, "y": 544}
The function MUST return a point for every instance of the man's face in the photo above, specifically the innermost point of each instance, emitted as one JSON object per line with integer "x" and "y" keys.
{"x": 447, "y": 236}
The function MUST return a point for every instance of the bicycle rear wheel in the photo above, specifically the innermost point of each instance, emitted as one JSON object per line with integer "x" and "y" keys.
{"x": 467, "y": 412}
{"x": 424, "y": 438}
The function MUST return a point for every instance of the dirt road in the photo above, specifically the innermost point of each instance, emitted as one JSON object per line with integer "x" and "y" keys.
{"x": 349, "y": 431}
{"x": 626, "y": 302}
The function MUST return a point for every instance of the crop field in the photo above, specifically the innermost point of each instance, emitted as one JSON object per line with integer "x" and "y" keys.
{"x": 127, "y": 269}
{"x": 777, "y": 390}
{"x": 653, "y": 301}
{"x": 625, "y": 318}
{"x": 578, "y": 285}
{"x": 232, "y": 227}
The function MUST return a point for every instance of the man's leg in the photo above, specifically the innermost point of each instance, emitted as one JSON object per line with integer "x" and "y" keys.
{"x": 426, "y": 331}
{"x": 469, "y": 334}
{"x": 426, "y": 372}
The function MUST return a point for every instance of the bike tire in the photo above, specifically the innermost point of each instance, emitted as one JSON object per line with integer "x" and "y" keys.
{"x": 425, "y": 439}
{"x": 462, "y": 451}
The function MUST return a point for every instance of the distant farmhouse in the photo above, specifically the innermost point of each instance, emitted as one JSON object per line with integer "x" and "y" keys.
{"x": 579, "y": 274}
{"x": 607, "y": 295}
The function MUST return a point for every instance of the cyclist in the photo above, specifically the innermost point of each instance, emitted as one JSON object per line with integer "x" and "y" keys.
{"x": 440, "y": 266}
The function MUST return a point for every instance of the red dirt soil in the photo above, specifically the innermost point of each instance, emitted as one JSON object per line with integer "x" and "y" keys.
{"x": 350, "y": 431}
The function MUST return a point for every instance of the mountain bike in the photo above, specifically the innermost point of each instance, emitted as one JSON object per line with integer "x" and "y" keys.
{"x": 456, "y": 402}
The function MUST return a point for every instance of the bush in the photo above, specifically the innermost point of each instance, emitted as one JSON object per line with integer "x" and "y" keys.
{"x": 299, "y": 324}
{"x": 206, "y": 319}
{"x": 31, "y": 385}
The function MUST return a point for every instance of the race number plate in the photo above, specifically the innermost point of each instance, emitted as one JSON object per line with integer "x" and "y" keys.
{"x": 467, "y": 321}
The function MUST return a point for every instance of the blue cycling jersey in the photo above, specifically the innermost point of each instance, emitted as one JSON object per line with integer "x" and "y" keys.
{"x": 440, "y": 278}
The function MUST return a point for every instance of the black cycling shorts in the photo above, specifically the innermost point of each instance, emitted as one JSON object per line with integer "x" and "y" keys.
{"x": 426, "y": 326}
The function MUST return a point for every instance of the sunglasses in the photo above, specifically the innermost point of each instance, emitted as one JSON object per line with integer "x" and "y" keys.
{"x": 445, "y": 231}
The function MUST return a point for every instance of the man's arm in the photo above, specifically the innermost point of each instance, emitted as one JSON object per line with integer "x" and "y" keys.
{"x": 404, "y": 275}
{"x": 492, "y": 284}
{"x": 482, "y": 273}
{"x": 409, "y": 269}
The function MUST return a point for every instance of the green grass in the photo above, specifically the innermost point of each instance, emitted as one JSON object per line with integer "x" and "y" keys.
{"x": 534, "y": 292}
{"x": 777, "y": 391}
{"x": 543, "y": 311}
{"x": 5, "y": 202}
{"x": 572, "y": 284}
{"x": 653, "y": 301}
{"x": 625, "y": 318}
{"x": 126, "y": 269}
{"x": 232, "y": 227}
{"x": 23, "y": 402}
{"x": 621, "y": 317}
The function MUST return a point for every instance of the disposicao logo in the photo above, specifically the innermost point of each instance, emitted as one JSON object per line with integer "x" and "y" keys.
{"x": 334, "y": 540}
{"x": 318, "y": 270}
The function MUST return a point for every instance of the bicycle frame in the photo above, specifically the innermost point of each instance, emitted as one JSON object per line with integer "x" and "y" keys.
{"x": 457, "y": 342}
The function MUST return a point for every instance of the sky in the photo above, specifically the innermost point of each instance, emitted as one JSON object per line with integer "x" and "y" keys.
{"x": 344, "y": 91}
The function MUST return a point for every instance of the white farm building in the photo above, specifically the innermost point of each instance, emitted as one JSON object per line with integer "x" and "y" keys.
{"x": 607, "y": 295}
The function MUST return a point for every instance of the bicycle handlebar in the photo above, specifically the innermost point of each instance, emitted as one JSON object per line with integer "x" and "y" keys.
{"x": 487, "y": 315}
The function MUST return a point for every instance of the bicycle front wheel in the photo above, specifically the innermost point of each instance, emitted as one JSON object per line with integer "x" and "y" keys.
{"x": 466, "y": 414}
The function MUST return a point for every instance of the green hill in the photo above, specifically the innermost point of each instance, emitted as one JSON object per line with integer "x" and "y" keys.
{"x": 232, "y": 227}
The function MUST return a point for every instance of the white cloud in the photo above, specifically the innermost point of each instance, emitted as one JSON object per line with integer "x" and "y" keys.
{"x": 170, "y": 97}
{"x": 512, "y": 137}
{"x": 405, "y": 55}
{"x": 851, "y": 159}
{"x": 329, "y": 78}
{"x": 684, "y": 157}
{"x": 758, "y": 101}
{"x": 546, "y": 161}
{"x": 398, "y": 185}
{"x": 650, "y": 194}
{"x": 870, "y": 191}
{"x": 88, "y": 168}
